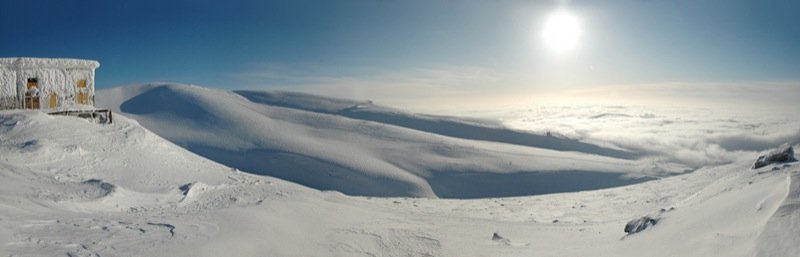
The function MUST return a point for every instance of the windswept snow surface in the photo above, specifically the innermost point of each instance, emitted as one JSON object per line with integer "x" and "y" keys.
{"x": 69, "y": 187}
{"x": 362, "y": 149}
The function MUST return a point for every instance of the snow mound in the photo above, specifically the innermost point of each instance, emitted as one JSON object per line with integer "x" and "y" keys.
{"x": 781, "y": 155}
{"x": 85, "y": 189}
{"x": 194, "y": 191}
{"x": 472, "y": 129}
{"x": 67, "y": 184}
{"x": 359, "y": 148}
{"x": 779, "y": 236}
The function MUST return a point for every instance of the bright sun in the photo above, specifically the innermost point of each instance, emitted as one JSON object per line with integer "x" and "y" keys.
{"x": 561, "y": 31}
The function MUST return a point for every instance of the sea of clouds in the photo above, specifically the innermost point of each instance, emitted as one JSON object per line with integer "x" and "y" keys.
{"x": 675, "y": 124}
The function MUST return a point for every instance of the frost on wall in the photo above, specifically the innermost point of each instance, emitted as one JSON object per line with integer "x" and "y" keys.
{"x": 8, "y": 94}
{"x": 73, "y": 78}
{"x": 60, "y": 83}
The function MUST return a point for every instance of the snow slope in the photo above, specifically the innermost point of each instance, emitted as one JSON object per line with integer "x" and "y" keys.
{"x": 362, "y": 149}
{"x": 449, "y": 126}
{"x": 72, "y": 187}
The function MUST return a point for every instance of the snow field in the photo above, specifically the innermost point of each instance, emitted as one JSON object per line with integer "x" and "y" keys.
{"x": 72, "y": 187}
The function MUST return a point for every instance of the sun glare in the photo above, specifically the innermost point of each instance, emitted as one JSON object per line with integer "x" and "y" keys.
{"x": 561, "y": 31}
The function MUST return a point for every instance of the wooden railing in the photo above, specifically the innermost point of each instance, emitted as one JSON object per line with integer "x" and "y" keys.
{"x": 101, "y": 115}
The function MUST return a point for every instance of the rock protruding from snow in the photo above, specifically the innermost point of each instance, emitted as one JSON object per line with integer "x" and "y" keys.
{"x": 497, "y": 237}
{"x": 102, "y": 188}
{"x": 639, "y": 224}
{"x": 783, "y": 154}
{"x": 500, "y": 239}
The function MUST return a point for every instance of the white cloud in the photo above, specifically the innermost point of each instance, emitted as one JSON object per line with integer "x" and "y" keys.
{"x": 684, "y": 134}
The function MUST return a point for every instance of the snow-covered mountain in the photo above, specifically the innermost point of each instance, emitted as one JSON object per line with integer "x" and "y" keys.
{"x": 363, "y": 149}
{"x": 72, "y": 187}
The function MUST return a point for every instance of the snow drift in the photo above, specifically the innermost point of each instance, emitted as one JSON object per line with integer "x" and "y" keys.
{"x": 72, "y": 187}
{"x": 362, "y": 149}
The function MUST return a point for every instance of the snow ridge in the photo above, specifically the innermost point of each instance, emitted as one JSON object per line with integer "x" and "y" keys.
{"x": 72, "y": 187}
{"x": 362, "y": 149}
{"x": 779, "y": 236}
{"x": 447, "y": 126}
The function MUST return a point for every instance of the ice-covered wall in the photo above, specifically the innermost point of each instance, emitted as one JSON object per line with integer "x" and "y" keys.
{"x": 55, "y": 77}
{"x": 8, "y": 92}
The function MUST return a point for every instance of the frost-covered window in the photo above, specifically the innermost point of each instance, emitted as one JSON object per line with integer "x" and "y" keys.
{"x": 53, "y": 100}
{"x": 32, "y": 94}
{"x": 82, "y": 91}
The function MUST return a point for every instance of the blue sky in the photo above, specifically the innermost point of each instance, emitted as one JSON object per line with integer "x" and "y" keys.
{"x": 434, "y": 46}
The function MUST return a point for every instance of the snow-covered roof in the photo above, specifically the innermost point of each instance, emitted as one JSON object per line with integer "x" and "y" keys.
{"x": 29, "y": 62}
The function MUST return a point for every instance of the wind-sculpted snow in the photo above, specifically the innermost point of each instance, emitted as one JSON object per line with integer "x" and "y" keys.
{"x": 362, "y": 149}
{"x": 780, "y": 235}
{"x": 447, "y": 126}
{"x": 70, "y": 187}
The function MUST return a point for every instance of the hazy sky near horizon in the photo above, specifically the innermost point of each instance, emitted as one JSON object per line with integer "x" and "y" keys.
{"x": 411, "y": 48}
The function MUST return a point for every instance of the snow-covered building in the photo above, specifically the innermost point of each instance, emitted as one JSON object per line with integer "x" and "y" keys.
{"x": 46, "y": 83}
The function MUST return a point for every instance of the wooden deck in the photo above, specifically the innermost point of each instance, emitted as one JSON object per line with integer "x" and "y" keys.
{"x": 101, "y": 115}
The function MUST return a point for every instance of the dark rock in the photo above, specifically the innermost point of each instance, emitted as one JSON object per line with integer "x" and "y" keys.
{"x": 667, "y": 210}
{"x": 497, "y": 237}
{"x": 185, "y": 188}
{"x": 637, "y": 225}
{"x": 98, "y": 188}
{"x": 780, "y": 155}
